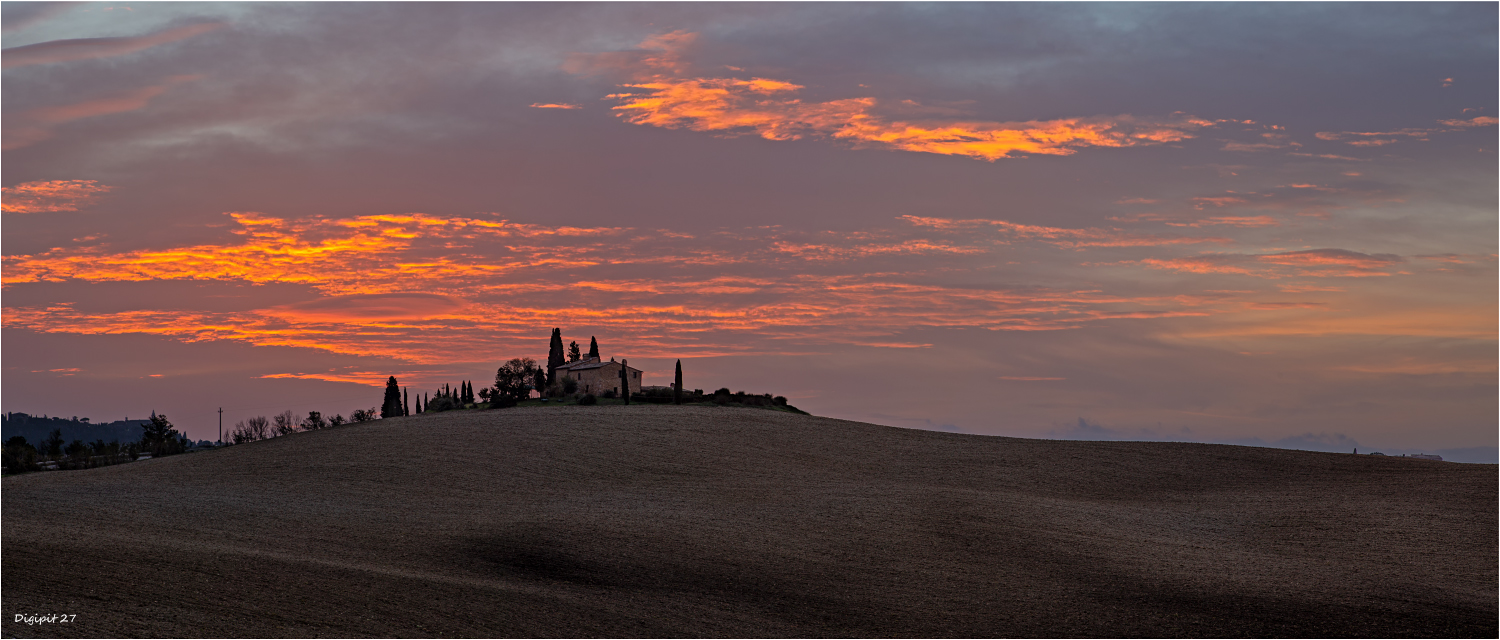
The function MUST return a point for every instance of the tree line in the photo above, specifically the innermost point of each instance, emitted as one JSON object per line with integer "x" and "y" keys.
{"x": 158, "y": 438}
{"x": 289, "y": 422}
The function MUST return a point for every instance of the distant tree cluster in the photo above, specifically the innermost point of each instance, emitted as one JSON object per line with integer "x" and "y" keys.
{"x": 289, "y": 422}
{"x": 158, "y": 438}
{"x": 20, "y": 456}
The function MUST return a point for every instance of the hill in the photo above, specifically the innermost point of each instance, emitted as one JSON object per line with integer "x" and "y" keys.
{"x": 37, "y": 428}
{"x": 704, "y": 521}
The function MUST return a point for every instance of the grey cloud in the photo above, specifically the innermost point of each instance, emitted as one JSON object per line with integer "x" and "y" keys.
{"x": 87, "y": 48}
{"x": 20, "y": 15}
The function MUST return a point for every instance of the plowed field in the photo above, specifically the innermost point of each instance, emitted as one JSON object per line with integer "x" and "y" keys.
{"x": 705, "y": 521}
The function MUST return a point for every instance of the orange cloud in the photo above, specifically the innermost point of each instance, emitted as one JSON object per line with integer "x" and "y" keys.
{"x": 1480, "y": 121}
{"x": 661, "y": 96}
{"x": 87, "y": 48}
{"x": 552, "y": 105}
{"x": 1380, "y": 138}
{"x": 656, "y": 317}
{"x": 363, "y": 255}
{"x": 410, "y": 286}
{"x": 1331, "y": 257}
{"x": 1314, "y": 262}
{"x": 50, "y": 195}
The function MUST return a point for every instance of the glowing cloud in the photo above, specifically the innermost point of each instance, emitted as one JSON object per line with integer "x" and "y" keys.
{"x": 50, "y": 195}
{"x": 661, "y": 96}
{"x": 409, "y": 286}
{"x": 1338, "y": 263}
{"x": 550, "y": 105}
{"x": 1480, "y": 121}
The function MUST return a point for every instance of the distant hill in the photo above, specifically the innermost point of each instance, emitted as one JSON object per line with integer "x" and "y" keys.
{"x": 36, "y": 429}
{"x": 705, "y": 521}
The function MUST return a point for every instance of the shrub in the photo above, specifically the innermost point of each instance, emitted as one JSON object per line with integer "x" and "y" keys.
{"x": 19, "y": 456}
{"x": 286, "y": 422}
{"x": 314, "y": 421}
{"x": 442, "y": 403}
{"x": 780, "y": 400}
{"x": 609, "y": 393}
{"x": 588, "y": 399}
{"x": 569, "y": 386}
{"x": 502, "y": 401}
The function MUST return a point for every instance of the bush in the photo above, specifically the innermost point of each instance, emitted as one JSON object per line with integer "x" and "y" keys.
{"x": 609, "y": 393}
{"x": 19, "y": 456}
{"x": 441, "y": 403}
{"x": 588, "y": 399}
{"x": 502, "y": 401}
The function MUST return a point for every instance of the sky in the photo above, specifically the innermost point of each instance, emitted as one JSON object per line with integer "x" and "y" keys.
{"x": 1268, "y": 224}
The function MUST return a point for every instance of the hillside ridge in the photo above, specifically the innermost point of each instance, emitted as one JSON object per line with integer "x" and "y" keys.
{"x": 705, "y": 521}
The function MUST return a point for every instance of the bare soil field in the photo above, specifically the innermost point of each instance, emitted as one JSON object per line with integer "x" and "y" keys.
{"x": 706, "y": 521}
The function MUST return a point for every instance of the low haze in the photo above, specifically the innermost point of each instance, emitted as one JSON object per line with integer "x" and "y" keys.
{"x": 1269, "y": 224}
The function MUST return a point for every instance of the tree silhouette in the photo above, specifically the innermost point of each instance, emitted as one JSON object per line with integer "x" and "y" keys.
{"x": 52, "y": 446}
{"x": 677, "y": 386}
{"x": 391, "y": 408}
{"x": 554, "y": 355}
{"x": 405, "y": 402}
{"x": 593, "y": 348}
{"x": 573, "y": 354}
{"x": 624, "y": 381}
{"x": 159, "y": 437}
{"x": 314, "y": 420}
{"x": 512, "y": 381}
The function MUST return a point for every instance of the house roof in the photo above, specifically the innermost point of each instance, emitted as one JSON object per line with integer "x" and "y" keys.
{"x": 590, "y": 364}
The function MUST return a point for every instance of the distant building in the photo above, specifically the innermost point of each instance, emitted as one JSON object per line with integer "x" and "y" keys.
{"x": 597, "y": 376}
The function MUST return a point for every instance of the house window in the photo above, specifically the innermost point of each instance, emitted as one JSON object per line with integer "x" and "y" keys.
{"x": 635, "y": 374}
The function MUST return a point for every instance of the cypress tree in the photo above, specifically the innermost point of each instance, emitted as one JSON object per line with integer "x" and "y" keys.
{"x": 624, "y": 381}
{"x": 391, "y": 408}
{"x": 593, "y": 348}
{"x": 405, "y": 402}
{"x": 677, "y": 386}
{"x": 554, "y": 355}
{"x": 419, "y": 404}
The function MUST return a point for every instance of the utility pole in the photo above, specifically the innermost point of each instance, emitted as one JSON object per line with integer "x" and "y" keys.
{"x": 221, "y": 425}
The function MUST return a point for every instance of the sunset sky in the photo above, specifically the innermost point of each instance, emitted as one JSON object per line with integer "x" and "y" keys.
{"x": 1264, "y": 224}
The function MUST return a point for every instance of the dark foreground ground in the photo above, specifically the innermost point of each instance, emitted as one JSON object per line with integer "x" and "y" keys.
{"x": 668, "y": 521}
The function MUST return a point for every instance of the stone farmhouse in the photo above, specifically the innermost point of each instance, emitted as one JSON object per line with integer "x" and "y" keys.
{"x": 597, "y": 376}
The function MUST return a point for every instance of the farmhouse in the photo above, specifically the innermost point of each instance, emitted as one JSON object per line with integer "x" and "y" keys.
{"x": 597, "y": 376}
